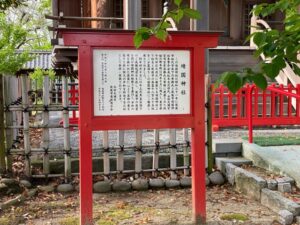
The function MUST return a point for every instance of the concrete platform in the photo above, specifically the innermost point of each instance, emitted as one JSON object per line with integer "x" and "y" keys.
{"x": 284, "y": 160}
{"x": 227, "y": 145}
{"x": 237, "y": 161}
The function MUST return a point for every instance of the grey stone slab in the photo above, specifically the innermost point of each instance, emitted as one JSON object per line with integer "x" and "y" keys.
{"x": 249, "y": 183}
{"x": 272, "y": 184}
{"x": 298, "y": 220}
{"x": 234, "y": 154}
{"x": 285, "y": 217}
{"x": 285, "y": 187}
{"x": 227, "y": 145}
{"x": 278, "y": 159}
{"x": 237, "y": 161}
{"x": 285, "y": 180}
{"x": 230, "y": 171}
{"x": 276, "y": 202}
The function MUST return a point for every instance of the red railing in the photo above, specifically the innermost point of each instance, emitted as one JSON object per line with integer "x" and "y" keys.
{"x": 277, "y": 105}
{"x": 73, "y": 100}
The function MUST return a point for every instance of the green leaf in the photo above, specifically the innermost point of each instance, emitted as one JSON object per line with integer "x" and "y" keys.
{"x": 178, "y": 16}
{"x": 145, "y": 36}
{"x": 279, "y": 62}
{"x": 221, "y": 79}
{"x": 260, "y": 80}
{"x": 192, "y": 13}
{"x": 233, "y": 82}
{"x": 138, "y": 39}
{"x": 165, "y": 25}
{"x": 259, "y": 38}
{"x": 296, "y": 69}
{"x": 161, "y": 35}
{"x": 271, "y": 70}
{"x": 177, "y": 2}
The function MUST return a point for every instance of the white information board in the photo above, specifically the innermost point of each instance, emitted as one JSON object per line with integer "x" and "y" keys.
{"x": 141, "y": 82}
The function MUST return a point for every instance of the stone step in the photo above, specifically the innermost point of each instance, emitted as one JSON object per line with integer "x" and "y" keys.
{"x": 225, "y": 146}
{"x": 237, "y": 161}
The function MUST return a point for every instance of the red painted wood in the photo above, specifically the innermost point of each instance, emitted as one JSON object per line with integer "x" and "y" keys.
{"x": 221, "y": 102}
{"x": 281, "y": 102}
{"x": 229, "y": 104}
{"x": 268, "y": 99}
{"x": 196, "y": 42}
{"x": 85, "y": 135}
{"x": 249, "y": 114}
{"x": 198, "y": 140}
{"x": 238, "y": 104}
{"x": 264, "y": 106}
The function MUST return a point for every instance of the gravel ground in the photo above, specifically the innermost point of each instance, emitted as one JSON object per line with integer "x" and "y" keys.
{"x": 239, "y": 133}
{"x": 150, "y": 207}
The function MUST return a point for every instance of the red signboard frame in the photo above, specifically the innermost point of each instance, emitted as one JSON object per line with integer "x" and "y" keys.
{"x": 196, "y": 43}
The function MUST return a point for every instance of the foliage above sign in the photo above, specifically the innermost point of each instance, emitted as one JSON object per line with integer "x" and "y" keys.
{"x": 160, "y": 30}
{"x": 279, "y": 47}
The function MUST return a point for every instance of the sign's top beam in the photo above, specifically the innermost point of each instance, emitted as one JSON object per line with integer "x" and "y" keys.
{"x": 107, "y": 38}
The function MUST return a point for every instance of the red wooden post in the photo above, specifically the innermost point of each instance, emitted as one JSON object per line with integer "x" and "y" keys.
{"x": 85, "y": 135}
{"x": 249, "y": 113}
{"x": 198, "y": 142}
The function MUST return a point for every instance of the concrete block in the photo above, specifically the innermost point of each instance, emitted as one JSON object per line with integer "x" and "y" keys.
{"x": 233, "y": 154}
{"x": 285, "y": 180}
{"x": 237, "y": 161}
{"x": 285, "y": 187}
{"x": 272, "y": 184}
{"x": 230, "y": 170}
{"x": 227, "y": 145}
{"x": 298, "y": 220}
{"x": 248, "y": 183}
{"x": 276, "y": 202}
{"x": 286, "y": 217}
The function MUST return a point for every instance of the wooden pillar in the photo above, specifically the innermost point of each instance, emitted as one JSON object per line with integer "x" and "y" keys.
{"x": 236, "y": 19}
{"x": 27, "y": 148}
{"x": 155, "y": 10}
{"x": 66, "y": 124}
{"x": 132, "y": 14}
{"x": 203, "y": 8}
{"x": 46, "y": 137}
{"x": 10, "y": 95}
{"x": 101, "y": 8}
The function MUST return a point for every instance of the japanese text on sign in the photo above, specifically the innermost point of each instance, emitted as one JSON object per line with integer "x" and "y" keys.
{"x": 141, "y": 82}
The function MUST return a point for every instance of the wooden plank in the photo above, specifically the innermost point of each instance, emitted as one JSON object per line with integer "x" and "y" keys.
{"x": 120, "y": 152}
{"x": 173, "y": 151}
{"x": 27, "y": 148}
{"x": 46, "y": 135}
{"x": 155, "y": 163}
{"x": 138, "y": 152}
{"x": 106, "y": 162}
{"x": 66, "y": 125}
{"x": 186, "y": 152}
